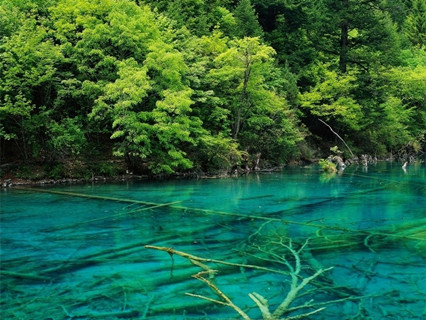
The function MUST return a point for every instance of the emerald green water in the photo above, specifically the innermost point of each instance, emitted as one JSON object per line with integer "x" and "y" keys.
{"x": 72, "y": 257}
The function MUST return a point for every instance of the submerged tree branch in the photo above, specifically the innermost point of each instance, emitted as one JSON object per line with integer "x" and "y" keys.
{"x": 193, "y": 259}
{"x": 298, "y": 282}
{"x": 228, "y": 302}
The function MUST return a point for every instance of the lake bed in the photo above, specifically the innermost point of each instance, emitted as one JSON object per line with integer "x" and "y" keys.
{"x": 79, "y": 251}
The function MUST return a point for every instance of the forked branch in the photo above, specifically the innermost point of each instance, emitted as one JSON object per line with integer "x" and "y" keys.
{"x": 227, "y": 301}
{"x": 296, "y": 285}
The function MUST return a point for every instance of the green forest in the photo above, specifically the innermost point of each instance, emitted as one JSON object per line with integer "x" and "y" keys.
{"x": 174, "y": 86}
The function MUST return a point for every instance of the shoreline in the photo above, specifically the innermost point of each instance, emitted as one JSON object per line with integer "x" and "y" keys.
{"x": 9, "y": 179}
{"x": 11, "y": 182}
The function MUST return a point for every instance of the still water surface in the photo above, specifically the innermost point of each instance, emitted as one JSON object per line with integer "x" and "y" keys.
{"x": 81, "y": 254}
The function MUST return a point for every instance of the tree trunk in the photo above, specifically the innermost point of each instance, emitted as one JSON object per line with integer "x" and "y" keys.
{"x": 344, "y": 29}
{"x": 244, "y": 96}
{"x": 237, "y": 123}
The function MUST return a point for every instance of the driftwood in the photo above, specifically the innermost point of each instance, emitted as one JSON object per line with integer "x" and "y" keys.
{"x": 29, "y": 276}
{"x": 68, "y": 226}
{"x": 88, "y": 196}
{"x": 231, "y": 214}
{"x": 199, "y": 261}
{"x": 104, "y": 255}
{"x": 182, "y": 306}
{"x": 108, "y": 315}
{"x": 294, "y": 270}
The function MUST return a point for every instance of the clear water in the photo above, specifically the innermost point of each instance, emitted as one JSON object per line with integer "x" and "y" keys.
{"x": 72, "y": 257}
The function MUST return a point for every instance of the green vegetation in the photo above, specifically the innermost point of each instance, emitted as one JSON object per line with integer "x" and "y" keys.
{"x": 327, "y": 166}
{"x": 174, "y": 86}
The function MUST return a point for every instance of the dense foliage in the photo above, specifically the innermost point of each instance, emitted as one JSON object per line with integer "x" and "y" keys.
{"x": 206, "y": 85}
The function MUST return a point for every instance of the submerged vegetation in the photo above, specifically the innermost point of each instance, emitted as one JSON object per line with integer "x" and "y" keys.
{"x": 327, "y": 166}
{"x": 175, "y": 86}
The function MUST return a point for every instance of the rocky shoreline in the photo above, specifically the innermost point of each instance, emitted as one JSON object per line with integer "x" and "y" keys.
{"x": 10, "y": 180}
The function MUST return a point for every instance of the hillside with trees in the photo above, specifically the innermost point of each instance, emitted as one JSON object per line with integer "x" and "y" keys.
{"x": 99, "y": 87}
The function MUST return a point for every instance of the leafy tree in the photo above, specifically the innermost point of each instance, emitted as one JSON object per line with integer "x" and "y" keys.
{"x": 405, "y": 102}
{"x": 256, "y": 111}
{"x": 359, "y": 33}
{"x": 332, "y": 100}
{"x": 148, "y": 104}
{"x": 199, "y": 16}
{"x": 397, "y": 10}
{"x": 11, "y": 16}
{"x": 247, "y": 22}
{"x": 66, "y": 138}
{"x": 347, "y": 33}
{"x": 218, "y": 152}
{"x": 28, "y": 72}
{"x": 200, "y": 55}
{"x": 415, "y": 24}
{"x": 286, "y": 25}
{"x": 392, "y": 130}
{"x": 216, "y": 149}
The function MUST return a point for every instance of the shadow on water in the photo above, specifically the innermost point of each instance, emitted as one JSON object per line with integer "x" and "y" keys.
{"x": 78, "y": 252}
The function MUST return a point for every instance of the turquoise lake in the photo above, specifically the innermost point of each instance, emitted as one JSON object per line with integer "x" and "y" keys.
{"x": 78, "y": 251}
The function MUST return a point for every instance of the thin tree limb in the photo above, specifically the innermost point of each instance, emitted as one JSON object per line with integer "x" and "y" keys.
{"x": 338, "y": 137}
{"x": 214, "y": 288}
{"x": 262, "y": 304}
{"x": 301, "y": 316}
{"x": 192, "y": 258}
